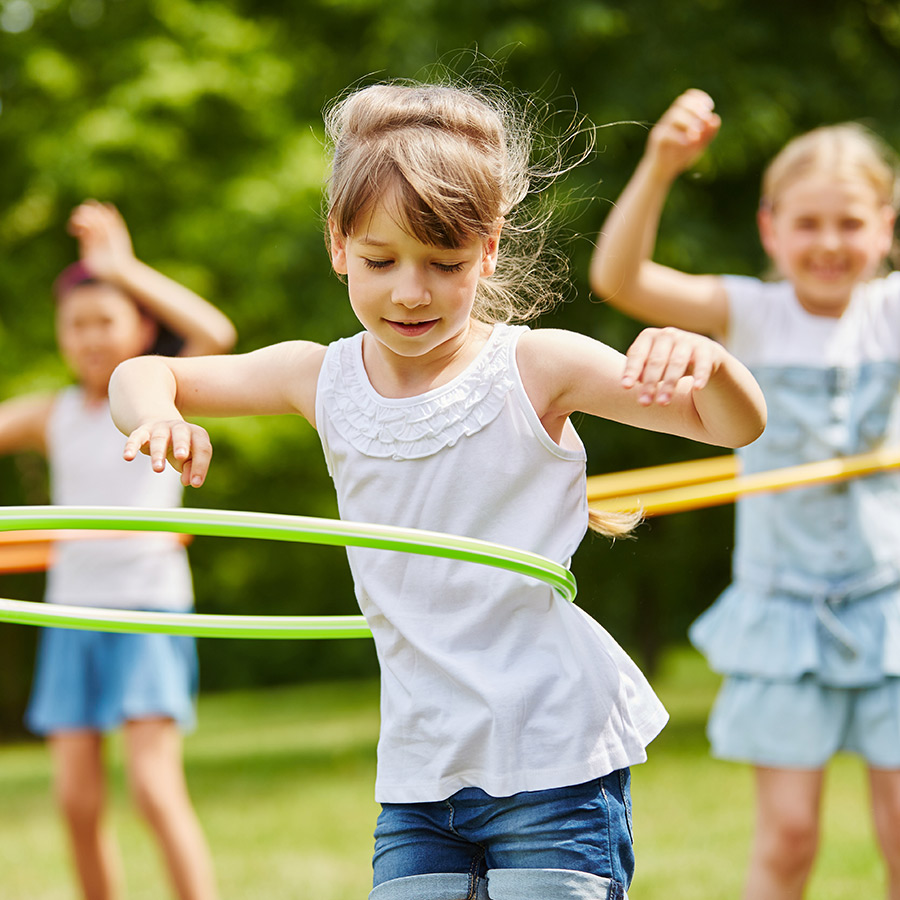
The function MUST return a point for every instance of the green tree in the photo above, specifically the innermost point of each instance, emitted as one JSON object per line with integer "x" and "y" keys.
{"x": 201, "y": 119}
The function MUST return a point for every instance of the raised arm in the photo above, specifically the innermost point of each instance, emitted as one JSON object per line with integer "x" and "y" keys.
{"x": 150, "y": 396}
{"x": 622, "y": 268}
{"x": 106, "y": 250}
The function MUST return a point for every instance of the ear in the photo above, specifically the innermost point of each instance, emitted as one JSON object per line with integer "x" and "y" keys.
{"x": 338, "y": 249}
{"x": 149, "y": 332}
{"x": 766, "y": 229}
{"x": 889, "y": 217}
{"x": 490, "y": 250}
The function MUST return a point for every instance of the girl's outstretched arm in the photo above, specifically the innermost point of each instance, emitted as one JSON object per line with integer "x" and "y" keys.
{"x": 23, "y": 423}
{"x": 150, "y": 396}
{"x": 672, "y": 381}
{"x": 105, "y": 248}
{"x": 622, "y": 269}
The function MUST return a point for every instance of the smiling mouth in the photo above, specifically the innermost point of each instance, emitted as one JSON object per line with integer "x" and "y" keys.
{"x": 412, "y": 329}
{"x": 828, "y": 271}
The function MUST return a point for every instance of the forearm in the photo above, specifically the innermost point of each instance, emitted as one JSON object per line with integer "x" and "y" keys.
{"x": 23, "y": 423}
{"x": 142, "y": 390}
{"x": 205, "y": 329}
{"x": 625, "y": 246}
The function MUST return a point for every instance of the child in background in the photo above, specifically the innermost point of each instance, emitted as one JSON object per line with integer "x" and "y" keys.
{"x": 808, "y": 634}
{"x": 509, "y": 717}
{"x": 111, "y": 306}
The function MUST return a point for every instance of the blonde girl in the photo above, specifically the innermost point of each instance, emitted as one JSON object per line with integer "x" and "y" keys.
{"x": 111, "y": 306}
{"x": 509, "y": 717}
{"x": 808, "y": 634}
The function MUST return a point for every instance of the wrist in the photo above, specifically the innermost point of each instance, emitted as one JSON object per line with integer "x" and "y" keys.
{"x": 122, "y": 272}
{"x": 658, "y": 171}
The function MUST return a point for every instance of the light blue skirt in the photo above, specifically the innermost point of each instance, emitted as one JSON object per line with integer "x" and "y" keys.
{"x": 93, "y": 680}
{"x": 802, "y": 724}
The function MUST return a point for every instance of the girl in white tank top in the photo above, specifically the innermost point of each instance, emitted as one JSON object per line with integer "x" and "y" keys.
{"x": 499, "y": 699}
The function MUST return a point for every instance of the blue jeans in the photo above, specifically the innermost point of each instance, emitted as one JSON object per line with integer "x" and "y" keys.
{"x": 570, "y": 843}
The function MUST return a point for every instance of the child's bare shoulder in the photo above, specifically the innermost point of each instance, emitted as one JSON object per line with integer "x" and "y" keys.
{"x": 554, "y": 346}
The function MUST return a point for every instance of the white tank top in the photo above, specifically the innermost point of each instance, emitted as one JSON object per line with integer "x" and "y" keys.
{"x": 136, "y": 571}
{"x": 489, "y": 678}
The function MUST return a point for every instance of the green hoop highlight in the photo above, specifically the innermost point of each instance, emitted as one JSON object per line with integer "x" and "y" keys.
{"x": 229, "y": 523}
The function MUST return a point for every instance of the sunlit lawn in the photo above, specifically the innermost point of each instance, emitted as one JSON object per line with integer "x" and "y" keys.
{"x": 282, "y": 780}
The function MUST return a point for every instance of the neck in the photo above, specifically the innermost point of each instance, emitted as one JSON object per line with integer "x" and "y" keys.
{"x": 397, "y": 377}
{"x": 831, "y": 310}
{"x": 93, "y": 395}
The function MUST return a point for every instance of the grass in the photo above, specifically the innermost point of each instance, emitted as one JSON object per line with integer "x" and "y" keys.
{"x": 282, "y": 780}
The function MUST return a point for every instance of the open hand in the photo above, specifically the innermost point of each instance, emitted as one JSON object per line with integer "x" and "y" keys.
{"x": 186, "y": 447}
{"x": 660, "y": 357}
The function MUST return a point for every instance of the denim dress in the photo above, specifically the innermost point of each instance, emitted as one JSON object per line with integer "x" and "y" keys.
{"x": 816, "y": 570}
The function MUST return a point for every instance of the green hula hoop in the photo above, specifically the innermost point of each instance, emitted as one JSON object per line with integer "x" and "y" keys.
{"x": 229, "y": 523}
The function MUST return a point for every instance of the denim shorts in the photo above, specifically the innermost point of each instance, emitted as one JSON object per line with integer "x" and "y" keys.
{"x": 94, "y": 680}
{"x": 570, "y": 843}
{"x": 802, "y": 724}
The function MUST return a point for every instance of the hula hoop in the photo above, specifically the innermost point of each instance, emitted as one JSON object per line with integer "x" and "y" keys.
{"x": 717, "y": 491}
{"x": 229, "y": 523}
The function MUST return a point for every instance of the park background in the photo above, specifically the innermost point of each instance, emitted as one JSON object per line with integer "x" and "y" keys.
{"x": 201, "y": 120}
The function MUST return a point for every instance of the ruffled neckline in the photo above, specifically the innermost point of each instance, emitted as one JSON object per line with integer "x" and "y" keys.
{"x": 420, "y": 426}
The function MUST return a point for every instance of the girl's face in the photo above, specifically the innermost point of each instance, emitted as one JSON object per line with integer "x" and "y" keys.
{"x": 827, "y": 235}
{"x": 414, "y": 299}
{"x": 97, "y": 327}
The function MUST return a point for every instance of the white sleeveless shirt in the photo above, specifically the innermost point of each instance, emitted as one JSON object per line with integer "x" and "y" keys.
{"x": 489, "y": 678}
{"x": 145, "y": 571}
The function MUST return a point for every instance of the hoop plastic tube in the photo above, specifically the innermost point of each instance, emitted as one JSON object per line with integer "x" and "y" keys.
{"x": 717, "y": 491}
{"x": 228, "y": 523}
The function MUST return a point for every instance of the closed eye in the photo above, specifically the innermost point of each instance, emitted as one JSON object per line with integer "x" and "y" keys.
{"x": 377, "y": 263}
{"x": 449, "y": 267}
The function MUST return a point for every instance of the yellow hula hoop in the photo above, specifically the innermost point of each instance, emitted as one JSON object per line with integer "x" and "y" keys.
{"x": 227, "y": 523}
{"x": 657, "y": 499}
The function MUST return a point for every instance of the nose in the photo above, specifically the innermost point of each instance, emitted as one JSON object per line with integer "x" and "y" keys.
{"x": 830, "y": 238}
{"x": 411, "y": 289}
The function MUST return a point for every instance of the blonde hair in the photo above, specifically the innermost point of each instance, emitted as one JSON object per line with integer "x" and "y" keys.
{"x": 457, "y": 163}
{"x": 847, "y": 150}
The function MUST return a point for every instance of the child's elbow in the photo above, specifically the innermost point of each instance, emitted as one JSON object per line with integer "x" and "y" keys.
{"x": 218, "y": 340}
{"x": 603, "y": 282}
{"x": 752, "y": 427}
{"x": 122, "y": 371}
{"x": 225, "y": 337}
{"x": 615, "y": 288}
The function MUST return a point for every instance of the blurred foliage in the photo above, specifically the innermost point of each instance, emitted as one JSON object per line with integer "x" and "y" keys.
{"x": 201, "y": 120}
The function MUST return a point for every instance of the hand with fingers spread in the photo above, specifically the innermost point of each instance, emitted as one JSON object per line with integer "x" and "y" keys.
{"x": 660, "y": 357}
{"x": 186, "y": 447}
{"x": 683, "y": 132}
